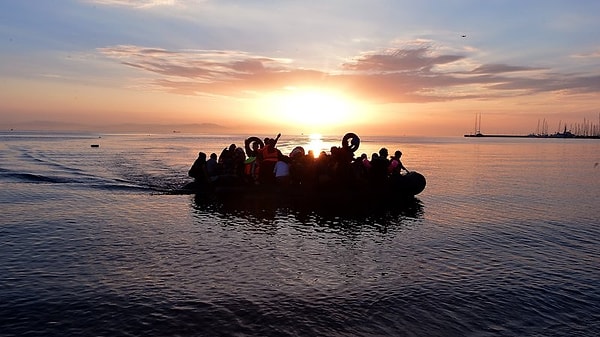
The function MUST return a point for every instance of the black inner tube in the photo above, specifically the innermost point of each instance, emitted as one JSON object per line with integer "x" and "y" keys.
{"x": 351, "y": 141}
{"x": 249, "y": 145}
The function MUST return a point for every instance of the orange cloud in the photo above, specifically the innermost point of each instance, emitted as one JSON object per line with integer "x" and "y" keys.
{"x": 402, "y": 75}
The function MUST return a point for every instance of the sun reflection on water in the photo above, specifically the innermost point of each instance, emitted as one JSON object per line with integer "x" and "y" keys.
{"x": 315, "y": 144}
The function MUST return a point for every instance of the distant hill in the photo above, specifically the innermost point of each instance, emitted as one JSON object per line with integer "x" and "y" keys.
{"x": 159, "y": 128}
{"x": 128, "y": 127}
{"x": 44, "y": 126}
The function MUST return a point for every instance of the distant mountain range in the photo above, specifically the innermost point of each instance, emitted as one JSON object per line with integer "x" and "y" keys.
{"x": 127, "y": 127}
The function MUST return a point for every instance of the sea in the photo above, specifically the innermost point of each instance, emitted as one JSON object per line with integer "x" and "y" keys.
{"x": 96, "y": 241}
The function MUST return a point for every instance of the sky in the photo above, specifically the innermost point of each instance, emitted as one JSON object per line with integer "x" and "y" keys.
{"x": 388, "y": 67}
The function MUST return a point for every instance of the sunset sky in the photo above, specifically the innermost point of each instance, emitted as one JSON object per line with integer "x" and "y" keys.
{"x": 330, "y": 66}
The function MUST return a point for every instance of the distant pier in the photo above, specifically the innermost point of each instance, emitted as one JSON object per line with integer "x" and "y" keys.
{"x": 586, "y": 130}
{"x": 479, "y": 135}
{"x": 555, "y": 135}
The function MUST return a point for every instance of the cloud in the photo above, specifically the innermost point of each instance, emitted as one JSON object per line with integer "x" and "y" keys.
{"x": 592, "y": 55}
{"x": 400, "y": 75}
{"x": 501, "y": 68}
{"x": 210, "y": 66}
{"x": 135, "y": 3}
{"x": 400, "y": 60}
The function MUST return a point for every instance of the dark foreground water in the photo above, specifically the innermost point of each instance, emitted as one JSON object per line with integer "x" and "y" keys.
{"x": 504, "y": 241}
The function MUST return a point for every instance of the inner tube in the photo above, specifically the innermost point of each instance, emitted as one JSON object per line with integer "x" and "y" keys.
{"x": 351, "y": 141}
{"x": 249, "y": 144}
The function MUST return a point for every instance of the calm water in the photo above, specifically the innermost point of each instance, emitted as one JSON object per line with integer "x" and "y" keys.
{"x": 504, "y": 241}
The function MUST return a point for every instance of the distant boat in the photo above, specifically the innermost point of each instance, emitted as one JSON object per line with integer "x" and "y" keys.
{"x": 564, "y": 134}
{"x": 477, "y": 127}
{"x": 95, "y": 145}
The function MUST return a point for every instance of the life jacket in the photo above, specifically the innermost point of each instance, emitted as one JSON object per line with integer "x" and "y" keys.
{"x": 251, "y": 167}
{"x": 393, "y": 165}
{"x": 270, "y": 154}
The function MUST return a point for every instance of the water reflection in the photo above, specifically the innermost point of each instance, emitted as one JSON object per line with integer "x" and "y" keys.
{"x": 340, "y": 218}
{"x": 315, "y": 144}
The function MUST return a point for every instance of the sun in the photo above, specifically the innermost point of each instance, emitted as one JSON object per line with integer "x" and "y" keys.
{"x": 314, "y": 109}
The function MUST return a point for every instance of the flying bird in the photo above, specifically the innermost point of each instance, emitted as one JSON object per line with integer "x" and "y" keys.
{"x": 463, "y": 36}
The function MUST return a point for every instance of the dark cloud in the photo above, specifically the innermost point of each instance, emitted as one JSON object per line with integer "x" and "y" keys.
{"x": 579, "y": 84}
{"x": 501, "y": 68}
{"x": 401, "y": 75}
{"x": 400, "y": 60}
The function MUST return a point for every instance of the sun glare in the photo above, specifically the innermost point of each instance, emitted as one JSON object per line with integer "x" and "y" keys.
{"x": 315, "y": 144}
{"x": 314, "y": 109}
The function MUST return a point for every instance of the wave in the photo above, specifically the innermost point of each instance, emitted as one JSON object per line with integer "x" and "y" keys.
{"x": 32, "y": 178}
{"x": 87, "y": 182}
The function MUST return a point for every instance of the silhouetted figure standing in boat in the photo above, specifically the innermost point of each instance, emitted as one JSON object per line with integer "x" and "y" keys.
{"x": 379, "y": 168}
{"x": 297, "y": 165}
{"x": 322, "y": 171}
{"x": 282, "y": 171}
{"x": 269, "y": 155}
{"x": 226, "y": 160}
{"x": 396, "y": 166}
{"x": 360, "y": 167}
{"x": 198, "y": 170}
{"x": 239, "y": 156}
{"x": 342, "y": 171}
{"x": 212, "y": 166}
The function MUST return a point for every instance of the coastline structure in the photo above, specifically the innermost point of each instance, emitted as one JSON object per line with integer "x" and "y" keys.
{"x": 586, "y": 130}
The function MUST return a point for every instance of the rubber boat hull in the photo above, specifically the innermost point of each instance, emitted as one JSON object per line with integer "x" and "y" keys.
{"x": 396, "y": 190}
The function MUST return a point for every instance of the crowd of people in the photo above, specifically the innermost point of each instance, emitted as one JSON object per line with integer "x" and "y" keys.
{"x": 261, "y": 162}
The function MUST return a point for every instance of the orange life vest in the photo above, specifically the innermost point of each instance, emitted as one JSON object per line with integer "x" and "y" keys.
{"x": 270, "y": 154}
